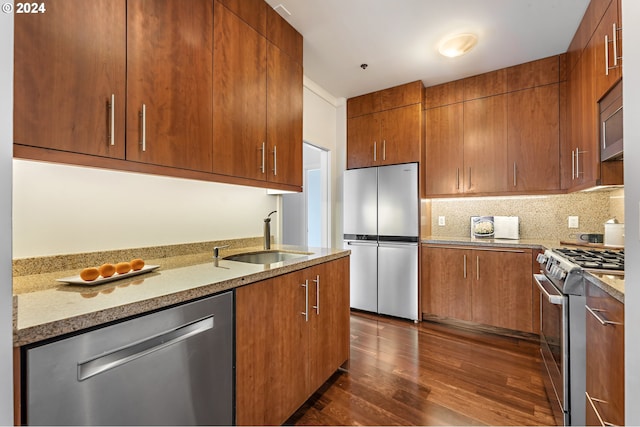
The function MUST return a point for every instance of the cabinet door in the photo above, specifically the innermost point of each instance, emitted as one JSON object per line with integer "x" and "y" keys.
{"x": 485, "y": 145}
{"x": 444, "y": 150}
{"x": 169, "y": 83}
{"x": 605, "y": 358}
{"x": 534, "y": 139}
{"x": 608, "y": 66}
{"x": 446, "y": 285}
{"x": 284, "y": 118}
{"x": 501, "y": 289}
{"x": 240, "y": 98}
{"x": 329, "y": 312}
{"x": 272, "y": 344}
{"x": 400, "y": 134}
{"x": 68, "y": 64}
{"x": 363, "y": 136}
{"x": 253, "y": 12}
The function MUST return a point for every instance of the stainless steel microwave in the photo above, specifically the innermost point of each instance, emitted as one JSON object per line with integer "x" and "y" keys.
{"x": 611, "y": 141}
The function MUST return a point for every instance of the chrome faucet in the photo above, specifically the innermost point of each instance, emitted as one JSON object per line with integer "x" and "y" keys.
{"x": 216, "y": 251}
{"x": 267, "y": 231}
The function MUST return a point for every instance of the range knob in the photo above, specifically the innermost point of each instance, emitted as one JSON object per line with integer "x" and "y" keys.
{"x": 542, "y": 258}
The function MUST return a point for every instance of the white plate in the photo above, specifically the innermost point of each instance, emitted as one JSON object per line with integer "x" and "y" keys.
{"x": 77, "y": 280}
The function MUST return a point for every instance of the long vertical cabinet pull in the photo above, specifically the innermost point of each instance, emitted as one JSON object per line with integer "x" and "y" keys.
{"x": 606, "y": 54}
{"x": 112, "y": 120}
{"x": 375, "y": 149}
{"x": 477, "y": 267}
{"x": 469, "y": 177}
{"x": 275, "y": 161}
{"x": 573, "y": 165}
{"x": 262, "y": 156}
{"x": 515, "y": 174}
{"x": 317, "y": 306}
{"x": 305, "y": 313}
{"x": 457, "y": 178}
{"x": 615, "y": 45}
{"x": 384, "y": 149}
{"x": 614, "y": 41}
{"x": 464, "y": 266}
{"x": 577, "y": 162}
{"x": 143, "y": 133}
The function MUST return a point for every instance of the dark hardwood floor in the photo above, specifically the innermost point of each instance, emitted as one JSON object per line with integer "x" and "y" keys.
{"x": 401, "y": 373}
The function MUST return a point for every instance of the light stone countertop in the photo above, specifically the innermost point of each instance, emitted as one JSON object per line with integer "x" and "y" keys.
{"x": 612, "y": 284}
{"x": 62, "y": 309}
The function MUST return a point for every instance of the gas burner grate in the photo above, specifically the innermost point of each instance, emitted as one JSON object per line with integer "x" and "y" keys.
{"x": 595, "y": 259}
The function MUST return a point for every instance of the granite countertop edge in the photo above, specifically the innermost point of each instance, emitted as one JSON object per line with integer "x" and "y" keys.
{"x": 119, "y": 309}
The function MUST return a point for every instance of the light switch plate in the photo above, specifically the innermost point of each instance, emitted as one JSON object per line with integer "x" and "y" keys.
{"x": 573, "y": 222}
{"x": 441, "y": 221}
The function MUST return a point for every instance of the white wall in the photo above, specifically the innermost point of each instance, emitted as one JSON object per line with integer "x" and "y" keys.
{"x": 61, "y": 209}
{"x": 324, "y": 125}
{"x": 631, "y": 89}
{"x": 6, "y": 152}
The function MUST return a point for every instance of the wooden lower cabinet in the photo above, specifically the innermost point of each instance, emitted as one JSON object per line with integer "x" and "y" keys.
{"x": 292, "y": 334}
{"x": 486, "y": 286}
{"x": 605, "y": 359}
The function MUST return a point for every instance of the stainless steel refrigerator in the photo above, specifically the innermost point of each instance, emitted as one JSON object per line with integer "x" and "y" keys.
{"x": 381, "y": 228}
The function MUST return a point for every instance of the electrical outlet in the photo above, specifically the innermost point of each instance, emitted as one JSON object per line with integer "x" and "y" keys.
{"x": 574, "y": 222}
{"x": 441, "y": 221}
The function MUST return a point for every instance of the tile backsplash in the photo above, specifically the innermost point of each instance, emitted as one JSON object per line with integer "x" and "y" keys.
{"x": 541, "y": 217}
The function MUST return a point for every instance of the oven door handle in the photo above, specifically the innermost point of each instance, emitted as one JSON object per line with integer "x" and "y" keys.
{"x": 554, "y": 296}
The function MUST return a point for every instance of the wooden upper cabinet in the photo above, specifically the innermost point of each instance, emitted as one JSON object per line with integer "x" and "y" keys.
{"x": 535, "y": 73}
{"x": 608, "y": 51}
{"x": 444, "y": 150}
{"x": 487, "y": 84}
{"x": 169, "y": 104}
{"x": 384, "y": 136}
{"x": 400, "y": 134}
{"x": 62, "y": 93}
{"x": 284, "y": 117}
{"x": 534, "y": 139}
{"x": 253, "y": 12}
{"x": 485, "y": 145}
{"x": 443, "y": 94}
{"x": 284, "y": 36}
{"x": 240, "y": 97}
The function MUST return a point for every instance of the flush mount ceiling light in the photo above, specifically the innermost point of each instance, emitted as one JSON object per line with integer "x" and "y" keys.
{"x": 458, "y": 45}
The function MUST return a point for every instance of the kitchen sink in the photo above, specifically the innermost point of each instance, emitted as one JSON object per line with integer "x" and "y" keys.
{"x": 265, "y": 257}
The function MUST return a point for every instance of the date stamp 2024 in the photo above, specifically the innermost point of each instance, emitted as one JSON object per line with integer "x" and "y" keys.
{"x": 24, "y": 8}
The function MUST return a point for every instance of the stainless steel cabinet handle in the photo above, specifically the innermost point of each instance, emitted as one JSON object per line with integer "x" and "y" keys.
{"x": 615, "y": 44}
{"x": 577, "y": 162}
{"x": 121, "y": 356}
{"x": 275, "y": 161}
{"x": 375, "y": 149}
{"x": 477, "y": 267}
{"x": 384, "y": 149}
{"x": 262, "y": 155}
{"x": 604, "y": 322}
{"x": 305, "y": 313}
{"x": 143, "y": 133}
{"x": 112, "y": 120}
{"x": 573, "y": 164}
{"x": 606, "y": 54}
{"x": 464, "y": 266}
{"x": 457, "y": 178}
{"x": 317, "y": 306}
{"x": 592, "y": 401}
{"x": 515, "y": 182}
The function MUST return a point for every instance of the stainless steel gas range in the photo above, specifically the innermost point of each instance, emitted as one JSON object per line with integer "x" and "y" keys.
{"x": 562, "y": 324}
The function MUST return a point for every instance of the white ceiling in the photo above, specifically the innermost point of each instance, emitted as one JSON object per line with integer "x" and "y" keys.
{"x": 399, "y": 39}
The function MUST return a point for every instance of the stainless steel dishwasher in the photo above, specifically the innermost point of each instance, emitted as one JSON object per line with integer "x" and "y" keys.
{"x": 171, "y": 367}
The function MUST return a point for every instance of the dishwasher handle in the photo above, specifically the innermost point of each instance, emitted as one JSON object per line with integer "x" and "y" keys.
{"x": 552, "y": 294}
{"x": 139, "y": 349}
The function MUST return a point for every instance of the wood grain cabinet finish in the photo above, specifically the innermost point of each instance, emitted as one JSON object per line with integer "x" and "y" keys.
{"x": 533, "y": 139}
{"x": 489, "y": 287}
{"x": 444, "y": 150}
{"x": 257, "y": 116}
{"x": 169, "y": 83}
{"x": 605, "y": 359}
{"x": 253, "y": 12}
{"x": 385, "y": 127}
{"x": 485, "y": 145}
{"x": 587, "y": 82}
{"x": 292, "y": 334}
{"x": 63, "y": 95}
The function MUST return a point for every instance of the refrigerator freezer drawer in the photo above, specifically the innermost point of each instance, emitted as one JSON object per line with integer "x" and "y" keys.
{"x": 363, "y": 275}
{"x": 398, "y": 280}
